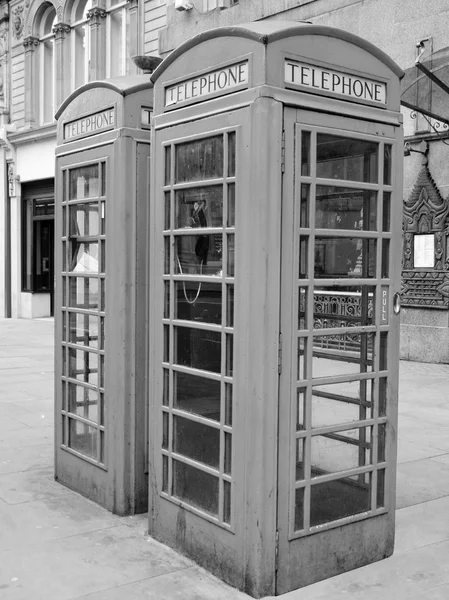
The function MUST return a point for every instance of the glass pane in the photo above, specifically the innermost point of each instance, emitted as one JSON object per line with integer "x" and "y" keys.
{"x": 300, "y": 409}
{"x": 303, "y": 257}
{"x": 84, "y": 219}
{"x": 227, "y": 453}
{"x": 231, "y": 256}
{"x": 229, "y": 354}
{"x": 167, "y": 255}
{"x": 83, "y": 401}
{"x": 167, "y": 165}
{"x": 231, "y": 154}
{"x": 305, "y": 204}
{"x": 346, "y": 306}
{"x": 83, "y": 366}
{"x": 196, "y": 441}
{"x": 382, "y": 396}
{"x": 337, "y": 403}
{"x": 342, "y": 354}
{"x": 83, "y": 292}
{"x": 199, "y": 255}
{"x": 197, "y": 395}
{"x": 385, "y": 272}
{"x": 166, "y": 348}
{"x": 299, "y": 509}
{"x": 383, "y": 351}
{"x": 202, "y": 159}
{"x": 199, "y": 207}
{"x": 83, "y": 438}
{"x": 338, "y": 499}
{"x": 386, "y": 211}
{"x": 83, "y": 329}
{"x": 299, "y": 471}
{"x": 345, "y": 257}
{"x": 167, "y": 207}
{"x": 387, "y": 164}
{"x": 333, "y": 452}
{"x": 346, "y": 158}
{"x": 302, "y": 320}
{"x": 226, "y": 502}
{"x": 228, "y": 404}
{"x": 166, "y": 299}
{"x": 198, "y": 348}
{"x": 196, "y": 487}
{"x": 83, "y": 182}
{"x": 302, "y": 358}
{"x": 305, "y": 153}
{"x": 166, "y": 387}
{"x": 164, "y": 473}
{"x": 165, "y": 425}
{"x": 380, "y": 488}
{"x": 381, "y": 442}
{"x": 230, "y": 306}
{"x": 231, "y": 205}
{"x": 345, "y": 208}
{"x": 46, "y": 207}
{"x": 84, "y": 257}
{"x": 198, "y": 301}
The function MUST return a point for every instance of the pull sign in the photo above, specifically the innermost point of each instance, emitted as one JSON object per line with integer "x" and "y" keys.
{"x": 384, "y": 304}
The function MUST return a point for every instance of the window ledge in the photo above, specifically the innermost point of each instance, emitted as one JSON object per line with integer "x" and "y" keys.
{"x": 33, "y": 134}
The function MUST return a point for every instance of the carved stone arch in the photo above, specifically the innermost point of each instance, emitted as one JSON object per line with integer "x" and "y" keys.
{"x": 35, "y": 5}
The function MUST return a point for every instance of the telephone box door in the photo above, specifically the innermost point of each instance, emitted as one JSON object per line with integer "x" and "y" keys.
{"x": 338, "y": 386}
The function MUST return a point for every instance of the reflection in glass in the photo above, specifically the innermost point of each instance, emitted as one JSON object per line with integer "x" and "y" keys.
{"x": 231, "y": 256}
{"x": 196, "y": 487}
{"x": 83, "y": 401}
{"x": 202, "y": 159}
{"x": 196, "y": 441}
{"x": 302, "y": 358}
{"x": 83, "y": 292}
{"x": 198, "y": 301}
{"x": 337, "y": 499}
{"x": 303, "y": 256}
{"x": 302, "y": 321}
{"x": 345, "y": 158}
{"x": 84, "y": 219}
{"x": 305, "y": 203}
{"x": 83, "y": 329}
{"x": 342, "y": 354}
{"x": 345, "y": 208}
{"x": 199, "y": 207}
{"x": 333, "y": 452}
{"x": 300, "y": 409}
{"x": 82, "y": 438}
{"x": 198, "y": 348}
{"x": 197, "y": 395}
{"x": 345, "y": 306}
{"x": 84, "y": 257}
{"x": 299, "y": 472}
{"x": 305, "y": 153}
{"x": 83, "y": 366}
{"x": 337, "y": 403}
{"x": 386, "y": 211}
{"x": 345, "y": 257}
{"x": 387, "y": 164}
{"x": 230, "y": 306}
{"x": 231, "y": 205}
{"x": 83, "y": 182}
{"x": 231, "y": 154}
{"x": 198, "y": 254}
{"x": 299, "y": 509}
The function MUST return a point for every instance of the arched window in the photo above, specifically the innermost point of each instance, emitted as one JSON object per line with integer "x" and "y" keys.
{"x": 116, "y": 36}
{"x": 45, "y": 64}
{"x": 80, "y": 43}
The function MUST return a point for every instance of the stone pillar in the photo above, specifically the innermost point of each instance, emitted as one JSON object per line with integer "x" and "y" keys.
{"x": 134, "y": 33}
{"x": 62, "y": 78}
{"x": 30, "y": 44}
{"x": 96, "y": 17}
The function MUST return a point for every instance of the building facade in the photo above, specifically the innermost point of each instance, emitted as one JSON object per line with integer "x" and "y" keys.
{"x": 47, "y": 50}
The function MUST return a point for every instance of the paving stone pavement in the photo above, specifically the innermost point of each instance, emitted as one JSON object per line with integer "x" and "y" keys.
{"x": 57, "y": 545}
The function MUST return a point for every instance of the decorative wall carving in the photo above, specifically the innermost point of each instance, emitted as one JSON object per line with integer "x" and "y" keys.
{"x": 426, "y": 212}
{"x": 18, "y": 21}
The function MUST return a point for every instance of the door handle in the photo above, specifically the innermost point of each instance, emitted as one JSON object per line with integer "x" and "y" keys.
{"x": 396, "y": 303}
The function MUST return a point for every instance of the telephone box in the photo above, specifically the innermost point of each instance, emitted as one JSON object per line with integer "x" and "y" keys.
{"x": 102, "y": 194}
{"x": 275, "y": 258}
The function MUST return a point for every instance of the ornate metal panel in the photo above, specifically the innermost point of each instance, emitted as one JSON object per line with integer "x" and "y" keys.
{"x": 426, "y": 212}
